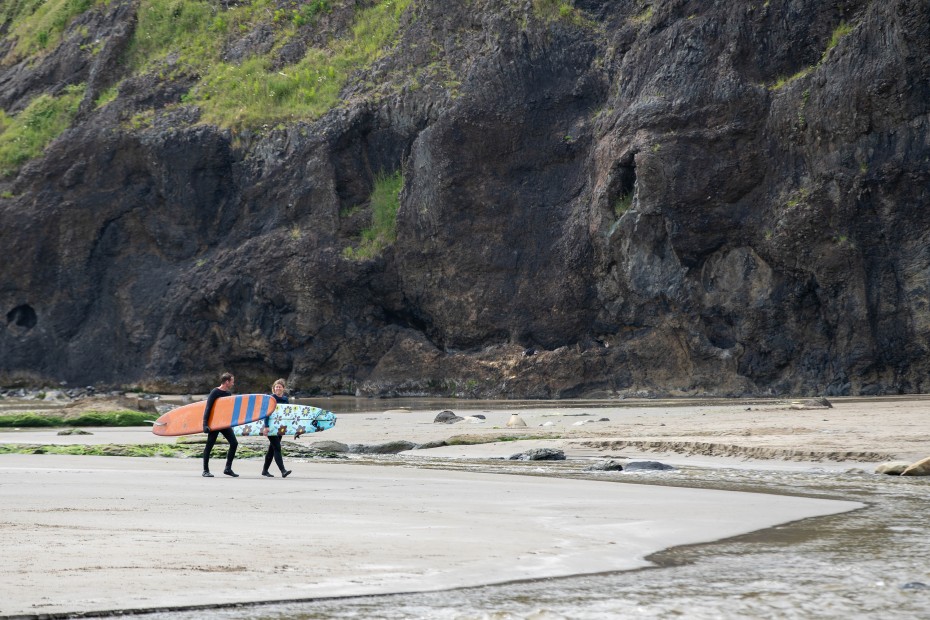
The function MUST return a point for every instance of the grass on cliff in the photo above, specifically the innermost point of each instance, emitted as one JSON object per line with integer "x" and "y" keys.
{"x": 839, "y": 32}
{"x": 385, "y": 202}
{"x": 38, "y": 25}
{"x": 254, "y": 92}
{"x": 25, "y": 135}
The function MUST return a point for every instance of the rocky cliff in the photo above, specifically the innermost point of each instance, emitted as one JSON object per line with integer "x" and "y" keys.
{"x": 604, "y": 197}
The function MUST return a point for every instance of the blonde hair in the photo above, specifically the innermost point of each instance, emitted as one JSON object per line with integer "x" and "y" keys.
{"x": 279, "y": 382}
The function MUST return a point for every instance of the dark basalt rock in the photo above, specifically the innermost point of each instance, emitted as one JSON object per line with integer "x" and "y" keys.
{"x": 704, "y": 199}
{"x": 605, "y": 465}
{"x": 646, "y": 466}
{"x": 447, "y": 417}
{"x": 539, "y": 454}
{"x": 390, "y": 447}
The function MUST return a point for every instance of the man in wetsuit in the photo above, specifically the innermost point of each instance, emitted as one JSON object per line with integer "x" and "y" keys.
{"x": 227, "y": 381}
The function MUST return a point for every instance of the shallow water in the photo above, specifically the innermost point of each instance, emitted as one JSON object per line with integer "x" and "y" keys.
{"x": 869, "y": 563}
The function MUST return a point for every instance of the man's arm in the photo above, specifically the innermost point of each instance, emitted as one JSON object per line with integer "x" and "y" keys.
{"x": 208, "y": 408}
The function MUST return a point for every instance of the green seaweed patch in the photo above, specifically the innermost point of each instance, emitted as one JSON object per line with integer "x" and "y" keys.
{"x": 90, "y": 418}
{"x": 146, "y": 450}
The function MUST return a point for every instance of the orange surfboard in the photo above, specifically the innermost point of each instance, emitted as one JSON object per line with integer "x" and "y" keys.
{"x": 227, "y": 412}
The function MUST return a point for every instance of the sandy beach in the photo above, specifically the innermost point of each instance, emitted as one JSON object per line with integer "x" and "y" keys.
{"x": 93, "y": 534}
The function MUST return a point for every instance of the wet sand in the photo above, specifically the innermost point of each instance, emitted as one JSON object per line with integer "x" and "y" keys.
{"x": 91, "y": 534}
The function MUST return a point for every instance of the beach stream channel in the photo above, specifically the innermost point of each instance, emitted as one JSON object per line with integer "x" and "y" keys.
{"x": 867, "y": 563}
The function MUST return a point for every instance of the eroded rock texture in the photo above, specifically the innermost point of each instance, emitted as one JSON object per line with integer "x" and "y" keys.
{"x": 698, "y": 198}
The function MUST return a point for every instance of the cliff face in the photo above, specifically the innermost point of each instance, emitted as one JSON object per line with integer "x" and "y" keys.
{"x": 682, "y": 198}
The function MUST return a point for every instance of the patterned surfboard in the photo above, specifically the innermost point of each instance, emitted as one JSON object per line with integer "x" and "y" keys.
{"x": 293, "y": 420}
{"x": 227, "y": 412}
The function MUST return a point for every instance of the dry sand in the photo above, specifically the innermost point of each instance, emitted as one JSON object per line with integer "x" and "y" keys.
{"x": 84, "y": 534}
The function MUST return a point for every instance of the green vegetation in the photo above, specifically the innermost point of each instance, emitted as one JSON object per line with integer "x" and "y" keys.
{"x": 838, "y": 33}
{"x": 27, "y": 134}
{"x": 805, "y": 98}
{"x": 190, "y": 28}
{"x": 38, "y": 24}
{"x": 140, "y": 450}
{"x": 797, "y": 198}
{"x": 643, "y": 17}
{"x": 305, "y": 13}
{"x": 623, "y": 204}
{"x": 782, "y": 82}
{"x": 106, "y": 96}
{"x": 553, "y": 10}
{"x": 193, "y": 33}
{"x": 91, "y": 418}
{"x": 252, "y": 93}
{"x": 385, "y": 202}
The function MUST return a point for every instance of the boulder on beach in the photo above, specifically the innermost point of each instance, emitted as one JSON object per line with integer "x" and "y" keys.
{"x": 329, "y": 446}
{"x": 892, "y": 468}
{"x": 391, "y": 447}
{"x": 605, "y": 465}
{"x": 647, "y": 466}
{"x": 539, "y": 454}
{"x": 515, "y": 421}
{"x": 447, "y": 417}
{"x": 439, "y": 443}
{"x": 920, "y": 468}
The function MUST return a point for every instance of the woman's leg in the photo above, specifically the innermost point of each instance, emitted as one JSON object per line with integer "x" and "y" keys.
{"x": 269, "y": 454}
{"x": 278, "y": 456}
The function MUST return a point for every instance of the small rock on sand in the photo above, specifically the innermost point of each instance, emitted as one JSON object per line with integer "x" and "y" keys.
{"x": 920, "y": 468}
{"x": 539, "y": 454}
{"x": 892, "y": 468}
{"x": 813, "y": 403}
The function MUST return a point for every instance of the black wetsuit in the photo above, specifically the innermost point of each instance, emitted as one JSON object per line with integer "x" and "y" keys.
{"x": 216, "y": 393}
{"x": 274, "y": 447}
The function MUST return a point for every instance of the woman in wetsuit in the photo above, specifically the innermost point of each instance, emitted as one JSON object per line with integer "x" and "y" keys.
{"x": 274, "y": 447}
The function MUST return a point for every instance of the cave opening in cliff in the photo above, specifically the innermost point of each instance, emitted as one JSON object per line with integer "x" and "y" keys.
{"x": 22, "y": 316}
{"x": 622, "y": 186}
